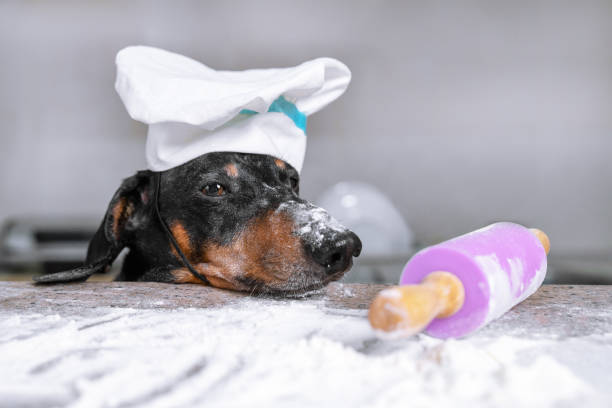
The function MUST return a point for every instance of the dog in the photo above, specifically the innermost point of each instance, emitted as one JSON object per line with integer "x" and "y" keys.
{"x": 231, "y": 220}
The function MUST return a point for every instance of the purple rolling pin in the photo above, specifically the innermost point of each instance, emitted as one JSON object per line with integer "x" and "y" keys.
{"x": 464, "y": 283}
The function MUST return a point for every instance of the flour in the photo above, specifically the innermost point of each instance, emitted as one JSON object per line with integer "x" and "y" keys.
{"x": 272, "y": 353}
{"x": 312, "y": 223}
{"x": 507, "y": 289}
{"x": 501, "y": 297}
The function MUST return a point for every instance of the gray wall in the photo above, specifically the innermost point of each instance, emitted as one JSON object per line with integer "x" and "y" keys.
{"x": 463, "y": 114}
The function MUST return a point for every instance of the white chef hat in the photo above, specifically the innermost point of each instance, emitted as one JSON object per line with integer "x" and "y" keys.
{"x": 192, "y": 109}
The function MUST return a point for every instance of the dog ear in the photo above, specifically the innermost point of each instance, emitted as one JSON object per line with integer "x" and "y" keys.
{"x": 127, "y": 212}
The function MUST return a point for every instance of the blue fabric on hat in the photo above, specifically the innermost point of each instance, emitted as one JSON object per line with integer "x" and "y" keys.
{"x": 282, "y": 105}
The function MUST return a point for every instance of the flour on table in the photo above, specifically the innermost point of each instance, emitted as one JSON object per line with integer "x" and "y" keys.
{"x": 272, "y": 353}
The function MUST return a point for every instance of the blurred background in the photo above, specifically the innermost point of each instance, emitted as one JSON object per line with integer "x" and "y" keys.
{"x": 458, "y": 115}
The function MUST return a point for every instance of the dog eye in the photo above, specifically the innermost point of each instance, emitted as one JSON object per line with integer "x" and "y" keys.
{"x": 214, "y": 190}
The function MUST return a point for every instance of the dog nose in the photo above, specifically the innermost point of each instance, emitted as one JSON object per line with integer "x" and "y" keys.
{"x": 336, "y": 256}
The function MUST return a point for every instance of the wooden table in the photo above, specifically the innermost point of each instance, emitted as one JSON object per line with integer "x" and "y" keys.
{"x": 151, "y": 344}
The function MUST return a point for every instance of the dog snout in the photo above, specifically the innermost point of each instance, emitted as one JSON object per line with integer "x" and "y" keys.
{"x": 337, "y": 255}
{"x": 326, "y": 242}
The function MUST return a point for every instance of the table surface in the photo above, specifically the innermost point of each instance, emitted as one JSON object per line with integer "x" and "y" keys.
{"x": 153, "y": 344}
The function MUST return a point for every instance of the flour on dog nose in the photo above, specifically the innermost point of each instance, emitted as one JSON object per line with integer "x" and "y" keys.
{"x": 312, "y": 221}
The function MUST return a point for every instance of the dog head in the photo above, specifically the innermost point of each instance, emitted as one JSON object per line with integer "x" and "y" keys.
{"x": 237, "y": 218}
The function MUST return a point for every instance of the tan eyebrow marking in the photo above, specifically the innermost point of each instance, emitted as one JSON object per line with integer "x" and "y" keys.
{"x": 231, "y": 170}
{"x": 279, "y": 163}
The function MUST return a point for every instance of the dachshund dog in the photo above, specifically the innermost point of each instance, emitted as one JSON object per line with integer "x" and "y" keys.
{"x": 231, "y": 220}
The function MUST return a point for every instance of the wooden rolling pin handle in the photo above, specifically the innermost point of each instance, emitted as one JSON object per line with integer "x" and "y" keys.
{"x": 543, "y": 238}
{"x": 408, "y": 309}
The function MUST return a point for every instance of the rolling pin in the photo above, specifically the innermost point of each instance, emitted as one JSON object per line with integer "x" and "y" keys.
{"x": 456, "y": 287}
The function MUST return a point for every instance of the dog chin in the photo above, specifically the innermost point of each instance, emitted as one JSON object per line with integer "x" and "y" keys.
{"x": 298, "y": 289}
